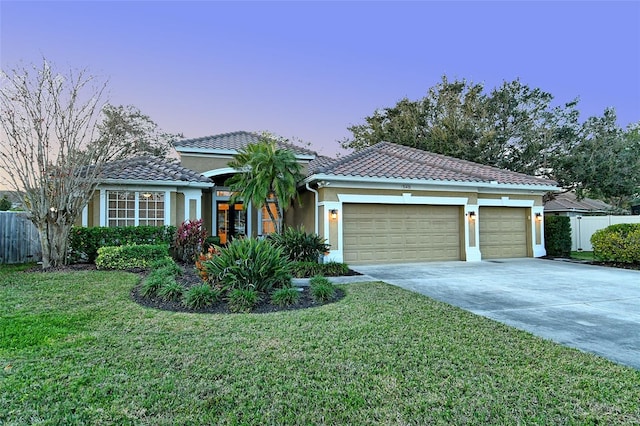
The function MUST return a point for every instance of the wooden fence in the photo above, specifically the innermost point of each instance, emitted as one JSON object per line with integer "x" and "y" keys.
{"x": 19, "y": 239}
{"x": 583, "y": 227}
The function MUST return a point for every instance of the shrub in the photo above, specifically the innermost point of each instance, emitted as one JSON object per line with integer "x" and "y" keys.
{"x": 249, "y": 263}
{"x": 617, "y": 243}
{"x": 210, "y": 241}
{"x": 85, "y": 242}
{"x": 189, "y": 239}
{"x": 298, "y": 246}
{"x": 202, "y": 261}
{"x": 305, "y": 269}
{"x": 130, "y": 256}
{"x": 200, "y": 296}
{"x": 322, "y": 290}
{"x": 170, "y": 290}
{"x": 166, "y": 263}
{"x": 243, "y": 299}
{"x": 334, "y": 269}
{"x": 557, "y": 236}
{"x": 285, "y": 296}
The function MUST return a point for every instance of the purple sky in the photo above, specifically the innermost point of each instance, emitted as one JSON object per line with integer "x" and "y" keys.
{"x": 309, "y": 70}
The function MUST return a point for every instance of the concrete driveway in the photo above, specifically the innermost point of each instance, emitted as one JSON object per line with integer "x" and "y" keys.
{"x": 592, "y": 308}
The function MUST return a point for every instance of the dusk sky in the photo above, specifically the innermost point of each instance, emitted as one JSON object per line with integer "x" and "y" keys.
{"x": 308, "y": 70}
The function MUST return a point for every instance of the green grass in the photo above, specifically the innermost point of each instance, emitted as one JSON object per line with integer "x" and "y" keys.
{"x": 75, "y": 350}
{"x": 582, "y": 255}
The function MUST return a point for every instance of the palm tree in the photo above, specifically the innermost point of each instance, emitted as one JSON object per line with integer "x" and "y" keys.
{"x": 266, "y": 175}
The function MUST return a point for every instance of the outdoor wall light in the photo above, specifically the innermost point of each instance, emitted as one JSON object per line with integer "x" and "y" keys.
{"x": 538, "y": 216}
{"x": 146, "y": 194}
{"x": 333, "y": 213}
{"x": 472, "y": 215}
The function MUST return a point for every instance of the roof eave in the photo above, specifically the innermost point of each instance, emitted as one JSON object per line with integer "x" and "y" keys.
{"x": 156, "y": 183}
{"x": 543, "y": 188}
{"x": 231, "y": 152}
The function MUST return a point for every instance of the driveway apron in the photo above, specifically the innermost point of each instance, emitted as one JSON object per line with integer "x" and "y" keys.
{"x": 592, "y": 308}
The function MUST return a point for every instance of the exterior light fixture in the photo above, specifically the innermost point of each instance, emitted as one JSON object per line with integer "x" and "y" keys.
{"x": 538, "y": 216}
{"x": 472, "y": 215}
{"x": 333, "y": 213}
{"x": 146, "y": 194}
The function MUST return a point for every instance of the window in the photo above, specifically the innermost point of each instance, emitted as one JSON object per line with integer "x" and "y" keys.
{"x": 129, "y": 208}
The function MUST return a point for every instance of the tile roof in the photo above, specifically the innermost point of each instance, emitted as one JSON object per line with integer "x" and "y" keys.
{"x": 151, "y": 169}
{"x": 235, "y": 141}
{"x": 569, "y": 202}
{"x": 388, "y": 160}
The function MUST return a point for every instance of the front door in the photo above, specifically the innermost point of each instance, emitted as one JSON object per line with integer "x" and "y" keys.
{"x": 232, "y": 221}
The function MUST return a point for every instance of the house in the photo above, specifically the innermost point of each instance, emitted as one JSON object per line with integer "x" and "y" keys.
{"x": 385, "y": 203}
{"x": 567, "y": 204}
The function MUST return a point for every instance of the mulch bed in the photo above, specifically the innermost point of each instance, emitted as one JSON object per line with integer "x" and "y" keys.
{"x": 189, "y": 278}
{"x": 619, "y": 265}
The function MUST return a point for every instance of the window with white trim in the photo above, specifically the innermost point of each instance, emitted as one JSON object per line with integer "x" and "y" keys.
{"x": 132, "y": 208}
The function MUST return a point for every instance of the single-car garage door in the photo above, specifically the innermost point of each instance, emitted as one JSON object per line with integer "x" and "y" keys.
{"x": 503, "y": 232}
{"x": 400, "y": 233}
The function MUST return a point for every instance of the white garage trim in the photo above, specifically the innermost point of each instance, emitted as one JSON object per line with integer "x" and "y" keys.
{"x": 504, "y": 202}
{"x": 406, "y": 198}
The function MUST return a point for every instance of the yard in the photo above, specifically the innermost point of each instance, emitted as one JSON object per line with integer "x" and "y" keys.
{"x": 75, "y": 349}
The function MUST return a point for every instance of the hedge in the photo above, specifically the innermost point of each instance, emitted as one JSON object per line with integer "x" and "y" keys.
{"x": 131, "y": 256}
{"x": 617, "y": 243}
{"x": 557, "y": 236}
{"x": 85, "y": 242}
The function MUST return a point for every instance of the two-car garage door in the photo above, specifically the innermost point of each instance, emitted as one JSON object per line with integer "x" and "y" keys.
{"x": 400, "y": 233}
{"x": 388, "y": 233}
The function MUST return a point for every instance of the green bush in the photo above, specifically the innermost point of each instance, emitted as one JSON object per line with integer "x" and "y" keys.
{"x": 617, "y": 243}
{"x": 166, "y": 263}
{"x": 154, "y": 281}
{"x": 298, "y": 246}
{"x": 334, "y": 269}
{"x": 200, "y": 296}
{"x": 557, "y": 236}
{"x": 243, "y": 299}
{"x": 171, "y": 290}
{"x": 285, "y": 296}
{"x": 322, "y": 290}
{"x": 210, "y": 241}
{"x": 85, "y": 242}
{"x": 248, "y": 263}
{"x": 130, "y": 256}
{"x": 309, "y": 269}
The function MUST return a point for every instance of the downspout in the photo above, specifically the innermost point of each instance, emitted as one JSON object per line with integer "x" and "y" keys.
{"x": 315, "y": 210}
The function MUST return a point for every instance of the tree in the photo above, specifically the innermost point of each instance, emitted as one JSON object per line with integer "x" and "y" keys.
{"x": 265, "y": 175}
{"x": 5, "y": 204}
{"x": 54, "y": 146}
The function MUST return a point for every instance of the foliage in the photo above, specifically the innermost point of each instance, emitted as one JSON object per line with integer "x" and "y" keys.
{"x": 322, "y": 290}
{"x": 382, "y": 355}
{"x": 85, "y": 242}
{"x": 617, "y": 243}
{"x": 200, "y": 296}
{"x": 189, "y": 239}
{"x": 201, "y": 263}
{"x": 56, "y": 141}
{"x": 300, "y": 246}
{"x": 285, "y": 296}
{"x": 5, "y": 204}
{"x": 266, "y": 175}
{"x": 152, "y": 283}
{"x": 130, "y": 256}
{"x": 514, "y": 127}
{"x": 210, "y": 241}
{"x": 309, "y": 269}
{"x": 171, "y": 290}
{"x": 248, "y": 263}
{"x": 166, "y": 263}
{"x": 242, "y": 299}
{"x": 334, "y": 269}
{"x": 557, "y": 236}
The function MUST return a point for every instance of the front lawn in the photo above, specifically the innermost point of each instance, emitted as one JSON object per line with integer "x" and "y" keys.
{"x": 582, "y": 255}
{"x": 74, "y": 349}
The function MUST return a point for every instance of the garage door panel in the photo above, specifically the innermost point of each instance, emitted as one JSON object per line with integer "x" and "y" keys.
{"x": 402, "y": 233}
{"x": 503, "y": 232}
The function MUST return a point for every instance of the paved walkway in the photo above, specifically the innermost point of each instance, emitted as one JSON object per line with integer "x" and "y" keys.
{"x": 592, "y": 308}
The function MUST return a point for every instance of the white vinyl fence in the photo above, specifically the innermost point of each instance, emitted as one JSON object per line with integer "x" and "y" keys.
{"x": 19, "y": 239}
{"x": 583, "y": 227}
